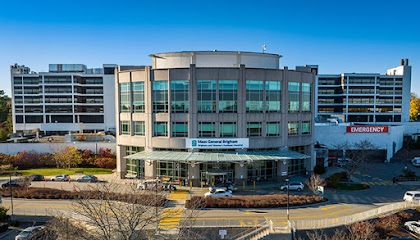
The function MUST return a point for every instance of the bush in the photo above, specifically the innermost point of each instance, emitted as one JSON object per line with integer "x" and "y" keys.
{"x": 3, "y": 214}
{"x": 254, "y": 201}
{"x": 404, "y": 215}
{"x": 319, "y": 169}
{"x": 408, "y": 173}
{"x": 104, "y": 162}
{"x": 387, "y": 223}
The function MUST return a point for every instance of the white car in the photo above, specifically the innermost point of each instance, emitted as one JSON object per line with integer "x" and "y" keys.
{"x": 293, "y": 186}
{"x": 224, "y": 186}
{"x": 416, "y": 162}
{"x": 410, "y": 196}
{"x": 60, "y": 177}
{"x": 218, "y": 193}
{"x": 151, "y": 184}
{"x": 413, "y": 226}
{"x": 28, "y": 232}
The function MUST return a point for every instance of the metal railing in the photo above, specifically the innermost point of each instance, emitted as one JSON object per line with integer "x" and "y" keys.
{"x": 345, "y": 220}
{"x": 255, "y": 232}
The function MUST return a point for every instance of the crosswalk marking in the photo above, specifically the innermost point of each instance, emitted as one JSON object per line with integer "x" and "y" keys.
{"x": 379, "y": 183}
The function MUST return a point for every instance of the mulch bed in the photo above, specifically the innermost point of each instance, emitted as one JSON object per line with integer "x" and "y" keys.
{"x": 254, "y": 201}
{"x": 50, "y": 193}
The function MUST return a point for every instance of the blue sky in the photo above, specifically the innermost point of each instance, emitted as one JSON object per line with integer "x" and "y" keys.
{"x": 339, "y": 36}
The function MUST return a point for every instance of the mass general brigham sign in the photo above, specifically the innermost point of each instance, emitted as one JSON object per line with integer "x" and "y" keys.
{"x": 367, "y": 129}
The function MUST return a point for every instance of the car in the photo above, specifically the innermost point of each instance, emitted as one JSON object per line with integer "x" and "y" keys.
{"x": 402, "y": 238}
{"x": 218, "y": 193}
{"x": 224, "y": 186}
{"x": 13, "y": 183}
{"x": 416, "y": 162}
{"x": 410, "y": 196}
{"x": 87, "y": 178}
{"x": 342, "y": 162}
{"x": 28, "y": 232}
{"x": 151, "y": 184}
{"x": 293, "y": 186}
{"x": 60, "y": 177}
{"x": 413, "y": 226}
{"x": 36, "y": 177}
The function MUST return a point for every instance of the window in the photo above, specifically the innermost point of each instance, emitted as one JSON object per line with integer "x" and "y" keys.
{"x": 160, "y": 129}
{"x": 139, "y": 128}
{"x": 57, "y": 89}
{"x": 160, "y": 96}
{"x": 273, "y": 129}
{"x": 293, "y": 88}
{"x": 18, "y": 90}
{"x": 138, "y": 97}
{"x": 32, "y": 80}
{"x": 228, "y": 96}
{"x": 125, "y": 128}
{"x": 180, "y": 129}
{"x": 273, "y": 96}
{"x": 33, "y": 109}
{"x": 306, "y": 97}
{"x": 91, "y": 118}
{"x": 254, "y": 96}
{"x": 57, "y": 79}
{"x": 206, "y": 96}
{"x": 125, "y": 98}
{"x": 227, "y": 129}
{"x": 18, "y": 99}
{"x": 33, "y": 99}
{"x": 134, "y": 166}
{"x": 253, "y": 129}
{"x": 57, "y": 99}
{"x": 18, "y": 109}
{"x": 293, "y": 128}
{"x": 206, "y": 129}
{"x": 17, "y": 80}
{"x": 306, "y": 128}
{"x": 34, "y": 119}
{"x": 179, "y": 96}
{"x": 174, "y": 170}
{"x": 19, "y": 119}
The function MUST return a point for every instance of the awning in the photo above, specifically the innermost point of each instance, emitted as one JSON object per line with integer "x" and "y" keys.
{"x": 217, "y": 157}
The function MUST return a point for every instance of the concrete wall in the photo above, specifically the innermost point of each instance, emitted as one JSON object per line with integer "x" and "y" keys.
{"x": 13, "y": 148}
{"x": 333, "y": 135}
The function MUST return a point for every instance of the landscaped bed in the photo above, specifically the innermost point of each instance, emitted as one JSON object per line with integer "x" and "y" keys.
{"x": 254, "y": 201}
{"x": 57, "y": 171}
{"x": 50, "y": 193}
{"x": 340, "y": 181}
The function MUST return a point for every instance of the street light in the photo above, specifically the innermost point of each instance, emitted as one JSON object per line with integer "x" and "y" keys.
{"x": 288, "y": 184}
{"x": 11, "y": 191}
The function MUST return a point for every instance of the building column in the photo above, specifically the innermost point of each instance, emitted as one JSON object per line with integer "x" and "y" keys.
{"x": 150, "y": 169}
{"x": 282, "y": 167}
{"x": 241, "y": 173}
{"x": 121, "y": 162}
{"x": 194, "y": 174}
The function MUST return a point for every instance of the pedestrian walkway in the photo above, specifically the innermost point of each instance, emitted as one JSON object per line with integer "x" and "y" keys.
{"x": 379, "y": 183}
{"x": 178, "y": 195}
{"x": 170, "y": 218}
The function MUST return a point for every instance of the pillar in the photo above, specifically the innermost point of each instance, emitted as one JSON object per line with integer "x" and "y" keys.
{"x": 241, "y": 173}
{"x": 194, "y": 174}
{"x": 149, "y": 169}
{"x": 121, "y": 162}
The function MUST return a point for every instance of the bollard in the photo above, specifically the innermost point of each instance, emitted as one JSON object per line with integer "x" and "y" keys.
{"x": 69, "y": 179}
{"x": 244, "y": 184}
{"x": 125, "y": 180}
{"x": 254, "y": 184}
{"x": 74, "y": 187}
{"x": 201, "y": 185}
{"x": 45, "y": 179}
{"x": 190, "y": 185}
{"x": 44, "y": 185}
{"x": 89, "y": 188}
{"x": 61, "y": 186}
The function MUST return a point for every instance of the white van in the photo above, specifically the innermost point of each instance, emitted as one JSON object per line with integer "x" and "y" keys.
{"x": 412, "y": 196}
{"x": 151, "y": 185}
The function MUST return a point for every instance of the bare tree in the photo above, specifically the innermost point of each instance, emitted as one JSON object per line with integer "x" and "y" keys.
{"x": 362, "y": 231}
{"x": 61, "y": 227}
{"x": 314, "y": 181}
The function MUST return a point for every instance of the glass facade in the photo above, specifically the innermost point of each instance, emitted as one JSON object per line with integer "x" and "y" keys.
{"x": 138, "y": 97}
{"x": 273, "y": 96}
{"x": 273, "y": 129}
{"x": 293, "y": 128}
{"x": 254, "y": 96}
{"x": 139, "y": 128}
{"x": 125, "y": 128}
{"x": 160, "y": 96}
{"x": 263, "y": 170}
{"x": 174, "y": 170}
{"x": 306, "y": 97}
{"x": 254, "y": 129}
{"x": 206, "y": 96}
{"x": 134, "y": 166}
{"x": 228, "y": 96}
{"x": 180, "y": 129}
{"x": 306, "y": 127}
{"x": 206, "y": 129}
{"x": 227, "y": 129}
{"x": 293, "y": 88}
{"x": 160, "y": 129}
{"x": 125, "y": 99}
{"x": 179, "y": 96}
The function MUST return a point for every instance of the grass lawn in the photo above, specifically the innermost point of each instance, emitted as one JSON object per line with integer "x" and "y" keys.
{"x": 353, "y": 186}
{"x": 56, "y": 171}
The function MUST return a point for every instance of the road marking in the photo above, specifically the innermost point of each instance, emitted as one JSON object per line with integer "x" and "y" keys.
{"x": 252, "y": 213}
{"x": 365, "y": 175}
{"x": 375, "y": 178}
{"x": 357, "y": 172}
{"x": 327, "y": 208}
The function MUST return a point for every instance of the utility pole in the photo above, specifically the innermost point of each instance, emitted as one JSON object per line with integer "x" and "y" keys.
{"x": 288, "y": 185}
{"x": 11, "y": 194}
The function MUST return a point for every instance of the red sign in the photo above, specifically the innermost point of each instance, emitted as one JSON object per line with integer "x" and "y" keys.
{"x": 367, "y": 129}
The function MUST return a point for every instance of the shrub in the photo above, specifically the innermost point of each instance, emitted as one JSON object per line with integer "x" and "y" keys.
{"x": 387, "y": 223}
{"x": 319, "y": 169}
{"x": 3, "y": 213}
{"x": 404, "y": 215}
{"x": 104, "y": 162}
{"x": 362, "y": 231}
{"x": 408, "y": 173}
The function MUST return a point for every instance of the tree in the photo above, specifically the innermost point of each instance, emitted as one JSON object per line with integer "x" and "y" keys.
{"x": 414, "y": 107}
{"x": 68, "y": 157}
{"x": 5, "y": 104}
{"x": 314, "y": 182}
{"x": 3, "y": 135}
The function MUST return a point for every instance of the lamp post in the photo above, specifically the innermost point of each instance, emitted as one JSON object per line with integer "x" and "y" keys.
{"x": 287, "y": 210}
{"x": 11, "y": 191}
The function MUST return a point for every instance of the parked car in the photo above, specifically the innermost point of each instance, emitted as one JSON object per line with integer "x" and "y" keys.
{"x": 151, "y": 184}
{"x": 413, "y": 226}
{"x": 14, "y": 183}
{"x": 224, "y": 186}
{"x": 411, "y": 196}
{"x": 344, "y": 161}
{"x": 218, "y": 193}
{"x": 293, "y": 186}
{"x": 416, "y": 162}
{"x": 87, "y": 178}
{"x": 28, "y": 232}
{"x": 402, "y": 238}
{"x": 36, "y": 177}
{"x": 61, "y": 177}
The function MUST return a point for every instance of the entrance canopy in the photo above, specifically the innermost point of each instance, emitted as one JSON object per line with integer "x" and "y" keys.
{"x": 197, "y": 157}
